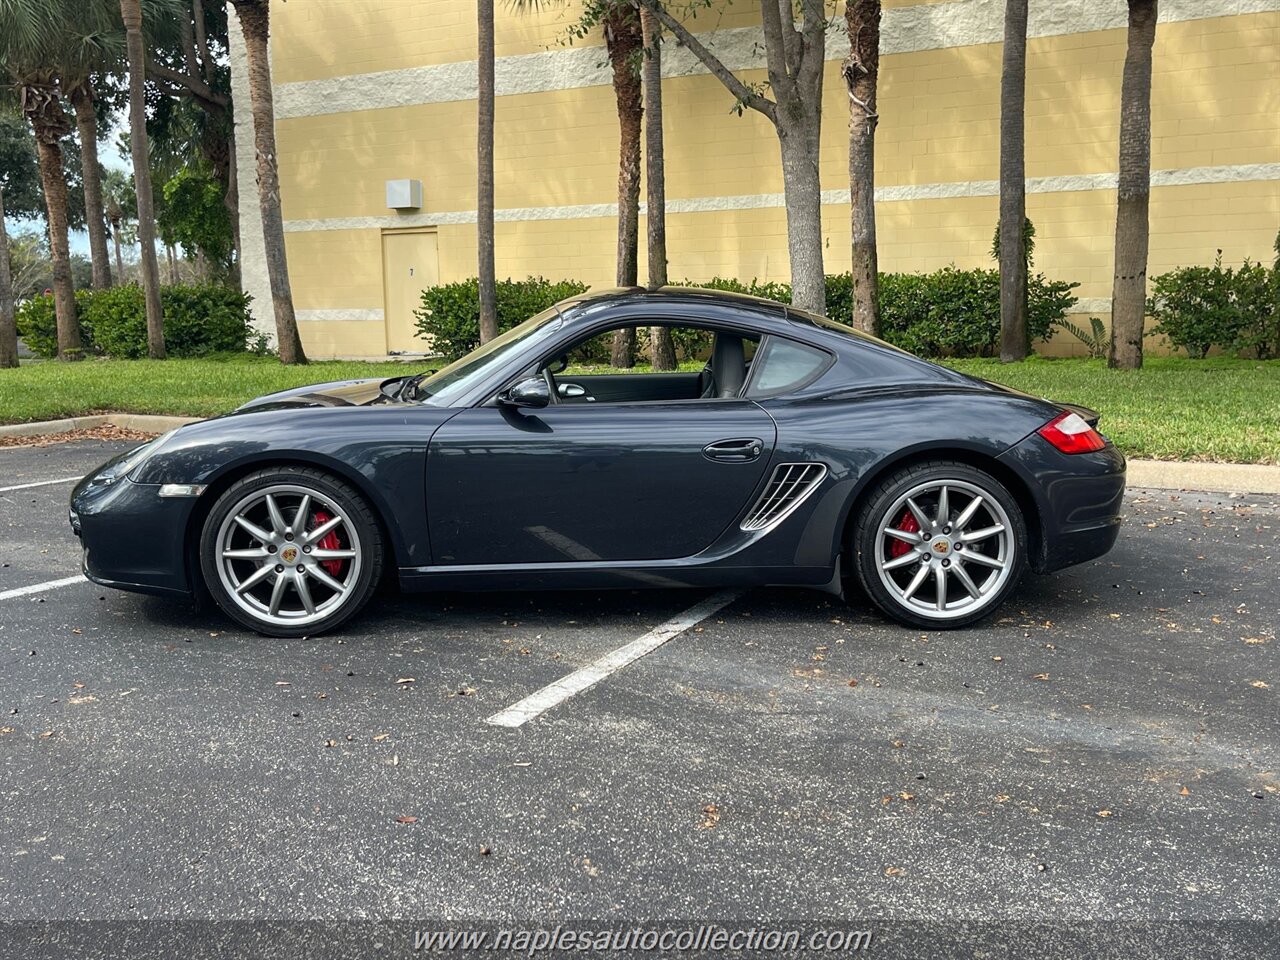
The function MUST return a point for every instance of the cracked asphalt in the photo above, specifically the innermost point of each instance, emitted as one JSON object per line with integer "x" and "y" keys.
{"x": 1096, "y": 769}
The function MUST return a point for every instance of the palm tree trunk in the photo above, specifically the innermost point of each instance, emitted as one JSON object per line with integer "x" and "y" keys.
{"x": 484, "y": 171}
{"x": 625, "y": 42}
{"x": 1133, "y": 196}
{"x": 8, "y": 325}
{"x": 662, "y": 351}
{"x": 53, "y": 179}
{"x": 115, "y": 240}
{"x": 862, "y": 73}
{"x": 1014, "y": 344}
{"x": 131, "y": 13}
{"x": 94, "y": 214}
{"x": 255, "y": 22}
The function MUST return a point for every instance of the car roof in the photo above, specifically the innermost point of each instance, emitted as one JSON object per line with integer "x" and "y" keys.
{"x": 675, "y": 295}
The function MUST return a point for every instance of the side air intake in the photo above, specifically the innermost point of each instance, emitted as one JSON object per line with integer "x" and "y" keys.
{"x": 789, "y": 487}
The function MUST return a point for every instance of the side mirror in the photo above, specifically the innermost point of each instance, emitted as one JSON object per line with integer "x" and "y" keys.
{"x": 532, "y": 392}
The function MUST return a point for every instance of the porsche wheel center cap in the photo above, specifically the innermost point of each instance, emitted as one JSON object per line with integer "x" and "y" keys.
{"x": 289, "y": 554}
{"x": 942, "y": 547}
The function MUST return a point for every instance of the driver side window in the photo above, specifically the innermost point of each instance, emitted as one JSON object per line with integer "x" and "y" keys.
{"x": 708, "y": 364}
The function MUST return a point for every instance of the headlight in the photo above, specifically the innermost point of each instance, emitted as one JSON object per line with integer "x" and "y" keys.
{"x": 133, "y": 459}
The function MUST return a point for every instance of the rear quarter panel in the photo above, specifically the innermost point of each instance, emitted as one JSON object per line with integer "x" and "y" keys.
{"x": 860, "y": 436}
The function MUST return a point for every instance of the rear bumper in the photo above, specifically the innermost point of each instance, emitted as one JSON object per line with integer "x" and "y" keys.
{"x": 1078, "y": 496}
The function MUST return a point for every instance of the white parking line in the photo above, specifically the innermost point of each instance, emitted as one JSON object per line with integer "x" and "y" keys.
{"x": 42, "y": 587}
{"x": 549, "y": 696}
{"x": 39, "y": 483}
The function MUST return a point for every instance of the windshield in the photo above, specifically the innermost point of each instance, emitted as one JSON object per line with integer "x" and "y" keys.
{"x": 445, "y": 386}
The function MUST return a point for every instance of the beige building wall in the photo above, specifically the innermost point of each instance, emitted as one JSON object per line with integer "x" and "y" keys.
{"x": 373, "y": 90}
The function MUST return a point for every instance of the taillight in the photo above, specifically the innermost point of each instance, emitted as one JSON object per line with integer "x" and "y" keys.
{"x": 1071, "y": 434}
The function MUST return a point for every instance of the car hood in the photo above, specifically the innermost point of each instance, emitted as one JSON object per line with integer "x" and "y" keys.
{"x": 338, "y": 393}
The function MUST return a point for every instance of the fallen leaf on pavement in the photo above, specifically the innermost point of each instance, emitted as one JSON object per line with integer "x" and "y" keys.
{"x": 1104, "y": 813}
{"x": 710, "y": 817}
{"x": 407, "y": 680}
{"x": 1041, "y": 676}
{"x": 380, "y": 737}
{"x": 893, "y": 871}
{"x": 406, "y": 819}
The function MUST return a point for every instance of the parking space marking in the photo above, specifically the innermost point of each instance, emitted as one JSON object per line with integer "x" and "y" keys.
{"x": 38, "y": 483}
{"x": 556, "y": 693}
{"x": 42, "y": 587}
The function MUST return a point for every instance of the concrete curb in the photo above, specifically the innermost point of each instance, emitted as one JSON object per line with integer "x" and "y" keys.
{"x": 1158, "y": 474}
{"x": 144, "y": 423}
{"x": 1212, "y": 477}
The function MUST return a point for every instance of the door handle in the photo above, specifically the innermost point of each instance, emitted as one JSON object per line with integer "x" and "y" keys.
{"x": 738, "y": 450}
{"x": 572, "y": 390}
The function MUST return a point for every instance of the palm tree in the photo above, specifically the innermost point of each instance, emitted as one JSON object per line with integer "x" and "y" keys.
{"x": 625, "y": 43}
{"x": 484, "y": 168}
{"x": 32, "y": 35}
{"x": 256, "y": 24}
{"x": 794, "y": 59}
{"x": 1014, "y": 344}
{"x": 1133, "y": 196}
{"x": 662, "y": 351}
{"x": 862, "y": 75}
{"x": 19, "y": 183}
{"x": 81, "y": 96}
{"x": 117, "y": 190}
{"x": 8, "y": 324}
{"x": 131, "y": 14}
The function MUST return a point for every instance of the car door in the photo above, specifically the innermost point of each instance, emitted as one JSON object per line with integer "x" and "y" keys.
{"x": 592, "y": 482}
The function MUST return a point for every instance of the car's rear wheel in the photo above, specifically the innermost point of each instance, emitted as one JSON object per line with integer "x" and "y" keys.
{"x": 290, "y": 551}
{"x": 939, "y": 544}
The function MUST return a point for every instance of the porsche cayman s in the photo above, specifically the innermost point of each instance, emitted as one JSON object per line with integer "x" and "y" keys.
{"x": 801, "y": 453}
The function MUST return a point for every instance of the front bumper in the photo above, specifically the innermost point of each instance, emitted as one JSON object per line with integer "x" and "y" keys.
{"x": 132, "y": 538}
{"x": 1078, "y": 499}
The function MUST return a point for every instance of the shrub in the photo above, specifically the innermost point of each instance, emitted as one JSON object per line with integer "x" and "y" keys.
{"x": 950, "y": 312}
{"x": 450, "y": 316}
{"x": 198, "y": 320}
{"x": 1257, "y": 292}
{"x": 956, "y": 313}
{"x": 1199, "y": 308}
{"x": 204, "y": 319}
{"x": 38, "y": 324}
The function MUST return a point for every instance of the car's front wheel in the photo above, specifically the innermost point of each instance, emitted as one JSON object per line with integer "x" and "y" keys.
{"x": 290, "y": 551}
{"x": 939, "y": 544}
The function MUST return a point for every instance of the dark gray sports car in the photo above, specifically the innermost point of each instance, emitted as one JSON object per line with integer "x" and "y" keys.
{"x": 802, "y": 453}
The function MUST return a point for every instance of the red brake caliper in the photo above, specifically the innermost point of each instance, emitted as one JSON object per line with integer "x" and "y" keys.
{"x": 330, "y": 541}
{"x": 908, "y": 523}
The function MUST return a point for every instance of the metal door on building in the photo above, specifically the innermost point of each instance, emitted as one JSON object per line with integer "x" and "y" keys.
{"x": 410, "y": 264}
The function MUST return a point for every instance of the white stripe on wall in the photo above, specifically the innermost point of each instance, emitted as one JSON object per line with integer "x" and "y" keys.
{"x": 928, "y": 26}
{"x": 1237, "y": 173}
{"x": 355, "y": 313}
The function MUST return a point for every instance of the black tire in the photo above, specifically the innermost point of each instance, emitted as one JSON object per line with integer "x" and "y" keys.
{"x": 871, "y": 546}
{"x": 360, "y": 526}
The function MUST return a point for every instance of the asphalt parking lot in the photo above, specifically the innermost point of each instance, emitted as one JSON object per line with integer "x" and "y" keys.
{"x": 1106, "y": 750}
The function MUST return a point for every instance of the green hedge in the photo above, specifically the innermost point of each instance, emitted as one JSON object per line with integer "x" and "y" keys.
{"x": 198, "y": 320}
{"x": 1234, "y": 309}
{"x": 948, "y": 313}
{"x": 450, "y": 316}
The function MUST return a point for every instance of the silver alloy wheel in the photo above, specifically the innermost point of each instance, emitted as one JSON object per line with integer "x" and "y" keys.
{"x": 963, "y": 548}
{"x": 272, "y": 562}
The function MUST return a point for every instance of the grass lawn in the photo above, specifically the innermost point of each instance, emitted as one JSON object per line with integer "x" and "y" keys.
{"x": 1220, "y": 409}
